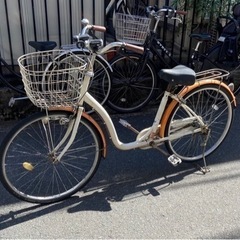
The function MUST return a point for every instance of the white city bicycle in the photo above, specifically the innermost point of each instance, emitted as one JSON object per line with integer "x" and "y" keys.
{"x": 50, "y": 155}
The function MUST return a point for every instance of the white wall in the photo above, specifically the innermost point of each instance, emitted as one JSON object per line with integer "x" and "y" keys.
{"x": 27, "y": 25}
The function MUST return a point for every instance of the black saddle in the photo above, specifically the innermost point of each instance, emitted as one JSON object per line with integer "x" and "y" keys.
{"x": 43, "y": 46}
{"x": 201, "y": 36}
{"x": 179, "y": 75}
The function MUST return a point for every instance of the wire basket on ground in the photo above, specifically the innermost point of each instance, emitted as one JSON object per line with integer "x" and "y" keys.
{"x": 52, "y": 78}
{"x": 131, "y": 29}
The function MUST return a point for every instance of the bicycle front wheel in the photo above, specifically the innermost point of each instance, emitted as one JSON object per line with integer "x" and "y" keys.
{"x": 132, "y": 84}
{"x": 213, "y": 104}
{"x": 29, "y": 167}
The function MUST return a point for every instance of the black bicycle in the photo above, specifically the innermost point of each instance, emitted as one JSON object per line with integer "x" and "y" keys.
{"x": 135, "y": 76}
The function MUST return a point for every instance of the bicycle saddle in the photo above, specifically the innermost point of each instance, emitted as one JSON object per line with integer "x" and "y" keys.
{"x": 179, "y": 75}
{"x": 201, "y": 36}
{"x": 43, "y": 46}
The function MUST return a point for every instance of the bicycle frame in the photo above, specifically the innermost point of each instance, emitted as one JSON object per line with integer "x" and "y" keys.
{"x": 156, "y": 44}
{"x": 148, "y": 136}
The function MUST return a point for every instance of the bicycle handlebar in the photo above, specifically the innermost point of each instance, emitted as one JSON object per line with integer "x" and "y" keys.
{"x": 84, "y": 34}
{"x": 155, "y": 11}
{"x": 88, "y": 27}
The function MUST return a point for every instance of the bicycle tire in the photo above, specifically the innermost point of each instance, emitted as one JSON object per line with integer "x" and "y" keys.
{"x": 216, "y": 110}
{"x": 132, "y": 85}
{"x": 212, "y": 61}
{"x": 28, "y": 170}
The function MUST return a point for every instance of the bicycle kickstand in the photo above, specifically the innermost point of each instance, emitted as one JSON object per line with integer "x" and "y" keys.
{"x": 204, "y": 169}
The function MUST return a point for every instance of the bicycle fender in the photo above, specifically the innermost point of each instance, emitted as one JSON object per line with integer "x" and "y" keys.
{"x": 183, "y": 92}
{"x": 99, "y": 129}
{"x": 89, "y": 118}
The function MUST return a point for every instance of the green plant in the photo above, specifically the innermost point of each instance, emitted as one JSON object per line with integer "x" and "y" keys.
{"x": 202, "y": 14}
{"x": 206, "y": 9}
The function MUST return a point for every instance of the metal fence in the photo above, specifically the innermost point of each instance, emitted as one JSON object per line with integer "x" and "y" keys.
{"x": 57, "y": 20}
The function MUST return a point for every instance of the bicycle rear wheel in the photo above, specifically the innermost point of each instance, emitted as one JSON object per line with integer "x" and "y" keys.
{"x": 29, "y": 169}
{"x": 132, "y": 84}
{"x": 213, "y": 104}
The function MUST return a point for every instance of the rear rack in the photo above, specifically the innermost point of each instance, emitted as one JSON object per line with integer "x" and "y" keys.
{"x": 215, "y": 73}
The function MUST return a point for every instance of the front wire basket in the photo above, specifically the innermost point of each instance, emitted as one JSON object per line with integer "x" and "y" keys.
{"x": 131, "y": 29}
{"x": 52, "y": 78}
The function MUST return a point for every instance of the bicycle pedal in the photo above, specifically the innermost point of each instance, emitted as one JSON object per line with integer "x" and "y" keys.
{"x": 174, "y": 160}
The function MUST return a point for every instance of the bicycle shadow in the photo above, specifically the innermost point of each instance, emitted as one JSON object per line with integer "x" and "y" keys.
{"x": 125, "y": 190}
{"x": 124, "y": 178}
{"x": 101, "y": 192}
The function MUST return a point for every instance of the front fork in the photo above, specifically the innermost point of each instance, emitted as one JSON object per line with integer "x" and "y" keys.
{"x": 67, "y": 139}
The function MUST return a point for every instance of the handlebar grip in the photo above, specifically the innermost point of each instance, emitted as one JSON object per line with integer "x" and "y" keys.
{"x": 134, "y": 48}
{"x": 98, "y": 28}
{"x": 180, "y": 12}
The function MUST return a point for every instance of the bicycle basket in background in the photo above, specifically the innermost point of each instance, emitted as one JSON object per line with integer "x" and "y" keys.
{"x": 131, "y": 29}
{"x": 52, "y": 78}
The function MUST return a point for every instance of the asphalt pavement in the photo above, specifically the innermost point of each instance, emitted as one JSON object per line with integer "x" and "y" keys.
{"x": 138, "y": 195}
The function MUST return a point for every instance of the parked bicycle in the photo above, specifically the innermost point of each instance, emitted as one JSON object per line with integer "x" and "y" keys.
{"x": 135, "y": 76}
{"x": 52, "y": 154}
{"x": 100, "y": 82}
